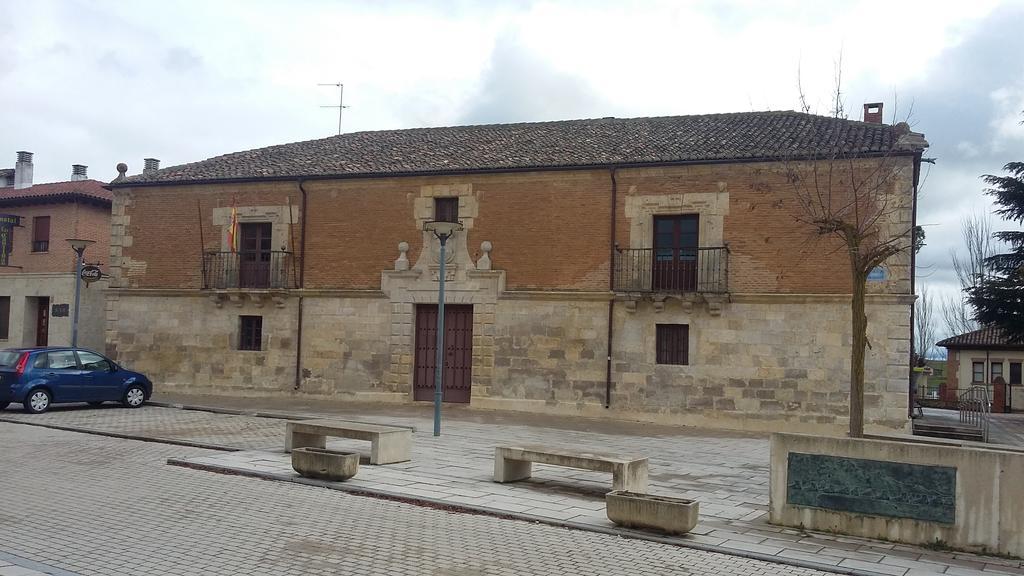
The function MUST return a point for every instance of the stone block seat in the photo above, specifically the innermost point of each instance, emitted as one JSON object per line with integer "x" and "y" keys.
{"x": 512, "y": 463}
{"x": 388, "y": 444}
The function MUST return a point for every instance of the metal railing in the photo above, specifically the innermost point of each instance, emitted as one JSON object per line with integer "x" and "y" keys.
{"x": 974, "y": 409}
{"x": 257, "y": 269}
{"x": 672, "y": 270}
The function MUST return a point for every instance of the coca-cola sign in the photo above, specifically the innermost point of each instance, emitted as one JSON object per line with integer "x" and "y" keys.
{"x": 91, "y": 273}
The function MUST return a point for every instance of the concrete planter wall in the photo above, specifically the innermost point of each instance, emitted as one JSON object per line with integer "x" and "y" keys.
{"x": 325, "y": 464}
{"x": 671, "y": 515}
{"x": 967, "y": 498}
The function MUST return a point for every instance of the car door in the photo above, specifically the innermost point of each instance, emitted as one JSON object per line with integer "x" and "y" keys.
{"x": 102, "y": 384}
{"x": 62, "y": 372}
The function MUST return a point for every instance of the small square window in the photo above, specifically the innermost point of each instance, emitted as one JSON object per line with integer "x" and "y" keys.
{"x": 673, "y": 343}
{"x": 978, "y": 372}
{"x": 251, "y": 333}
{"x": 446, "y": 209}
{"x": 996, "y": 369}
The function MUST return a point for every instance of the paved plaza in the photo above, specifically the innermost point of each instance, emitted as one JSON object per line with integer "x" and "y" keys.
{"x": 726, "y": 472}
{"x": 88, "y": 504}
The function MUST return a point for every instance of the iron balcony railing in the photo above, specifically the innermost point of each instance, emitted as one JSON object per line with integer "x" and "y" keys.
{"x": 672, "y": 270}
{"x": 256, "y": 269}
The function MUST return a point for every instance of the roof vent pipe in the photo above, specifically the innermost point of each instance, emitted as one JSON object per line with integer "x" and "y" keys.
{"x": 151, "y": 166}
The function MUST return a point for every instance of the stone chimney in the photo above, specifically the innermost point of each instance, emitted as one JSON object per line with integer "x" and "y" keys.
{"x": 23, "y": 171}
{"x": 873, "y": 113}
{"x": 79, "y": 172}
{"x": 151, "y": 166}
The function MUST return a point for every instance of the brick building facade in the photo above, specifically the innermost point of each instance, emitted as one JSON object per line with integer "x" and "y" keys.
{"x": 37, "y": 275}
{"x": 651, "y": 269}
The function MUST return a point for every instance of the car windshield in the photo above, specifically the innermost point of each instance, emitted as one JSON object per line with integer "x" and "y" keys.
{"x": 9, "y": 357}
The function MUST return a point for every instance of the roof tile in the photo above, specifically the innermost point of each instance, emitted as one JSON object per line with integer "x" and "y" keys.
{"x": 569, "y": 143}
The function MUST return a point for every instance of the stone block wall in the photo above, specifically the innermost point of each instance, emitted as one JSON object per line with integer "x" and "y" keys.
{"x": 189, "y": 343}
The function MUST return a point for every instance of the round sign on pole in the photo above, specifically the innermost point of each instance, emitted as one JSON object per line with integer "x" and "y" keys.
{"x": 91, "y": 273}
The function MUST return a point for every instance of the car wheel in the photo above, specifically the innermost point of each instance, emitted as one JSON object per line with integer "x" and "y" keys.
{"x": 134, "y": 396}
{"x": 37, "y": 401}
{"x": 96, "y": 403}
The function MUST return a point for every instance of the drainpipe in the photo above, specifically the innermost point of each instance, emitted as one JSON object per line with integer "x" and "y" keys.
{"x": 302, "y": 284}
{"x": 912, "y": 388}
{"x": 611, "y": 288}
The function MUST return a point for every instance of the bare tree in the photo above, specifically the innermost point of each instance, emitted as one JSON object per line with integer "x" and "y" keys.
{"x": 924, "y": 325}
{"x": 970, "y": 266}
{"x": 863, "y": 200}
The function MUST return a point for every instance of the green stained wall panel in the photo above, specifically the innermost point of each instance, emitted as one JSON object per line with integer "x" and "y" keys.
{"x": 872, "y": 487}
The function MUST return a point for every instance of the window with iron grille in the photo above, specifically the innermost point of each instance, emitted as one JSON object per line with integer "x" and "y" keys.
{"x": 41, "y": 234}
{"x": 446, "y": 209}
{"x": 251, "y": 333}
{"x": 673, "y": 343}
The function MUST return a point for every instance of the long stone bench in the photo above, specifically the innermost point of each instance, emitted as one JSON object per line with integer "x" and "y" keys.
{"x": 512, "y": 463}
{"x": 389, "y": 444}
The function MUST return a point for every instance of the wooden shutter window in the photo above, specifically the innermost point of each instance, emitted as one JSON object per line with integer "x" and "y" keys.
{"x": 5, "y": 317}
{"x": 673, "y": 344}
{"x": 41, "y": 234}
{"x": 446, "y": 209}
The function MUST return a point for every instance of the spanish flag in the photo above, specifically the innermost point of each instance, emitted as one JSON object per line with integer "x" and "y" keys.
{"x": 233, "y": 231}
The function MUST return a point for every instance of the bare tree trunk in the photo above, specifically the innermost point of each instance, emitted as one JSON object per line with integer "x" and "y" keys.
{"x": 860, "y": 341}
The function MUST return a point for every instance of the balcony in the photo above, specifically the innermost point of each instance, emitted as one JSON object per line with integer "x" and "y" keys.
{"x": 672, "y": 270}
{"x": 249, "y": 270}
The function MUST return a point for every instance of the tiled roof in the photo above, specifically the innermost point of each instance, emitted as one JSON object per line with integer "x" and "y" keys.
{"x": 990, "y": 337}
{"x": 57, "y": 192}
{"x": 569, "y": 143}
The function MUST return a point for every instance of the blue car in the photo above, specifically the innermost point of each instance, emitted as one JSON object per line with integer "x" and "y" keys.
{"x": 39, "y": 377}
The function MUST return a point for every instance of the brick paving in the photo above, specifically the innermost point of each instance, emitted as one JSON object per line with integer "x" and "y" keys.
{"x": 87, "y": 504}
{"x": 727, "y": 473}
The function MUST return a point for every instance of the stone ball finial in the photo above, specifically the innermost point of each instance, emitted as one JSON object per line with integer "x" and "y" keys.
{"x": 403, "y": 260}
{"x": 484, "y": 262}
{"x": 122, "y": 169}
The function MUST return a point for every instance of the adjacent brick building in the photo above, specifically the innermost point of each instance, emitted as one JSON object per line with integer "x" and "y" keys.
{"x": 37, "y": 265}
{"x": 649, "y": 268}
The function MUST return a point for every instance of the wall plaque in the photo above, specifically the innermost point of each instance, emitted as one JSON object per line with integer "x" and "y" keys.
{"x": 873, "y": 487}
{"x": 59, "y": 310}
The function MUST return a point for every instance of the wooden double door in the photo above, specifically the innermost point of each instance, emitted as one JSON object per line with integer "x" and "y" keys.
{"x": 457, "y": 368}
{"x": 254, "y": 264}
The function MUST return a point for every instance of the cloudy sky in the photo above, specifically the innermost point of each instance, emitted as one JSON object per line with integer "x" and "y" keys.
{"x": 98, "y": 83}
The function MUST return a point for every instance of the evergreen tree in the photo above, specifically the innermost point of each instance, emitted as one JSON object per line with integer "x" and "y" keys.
{"x": 998, "y": 299}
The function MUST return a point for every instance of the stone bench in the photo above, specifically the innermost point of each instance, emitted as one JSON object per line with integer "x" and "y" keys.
{"x": 389, "y": 444}
{"x": 512, "y": 463}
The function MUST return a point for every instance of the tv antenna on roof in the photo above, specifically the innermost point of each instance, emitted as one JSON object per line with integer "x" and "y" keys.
{"x": 341, "y": 101}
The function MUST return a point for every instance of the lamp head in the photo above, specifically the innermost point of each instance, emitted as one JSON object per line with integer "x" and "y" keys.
{"x": 78, "y": 244}
{"x": 441, "y": 228}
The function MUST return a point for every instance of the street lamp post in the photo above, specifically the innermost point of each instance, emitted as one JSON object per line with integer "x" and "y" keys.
{"x": 79, "y": 246}
{"x": 443, "y": 231}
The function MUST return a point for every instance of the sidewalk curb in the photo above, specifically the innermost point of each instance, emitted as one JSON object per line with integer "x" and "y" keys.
{"x": 23, "y": 562}
{"x": 256, "y": 413}
{"x": 483, "y": 510}
{"x": 154, "y": 439}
